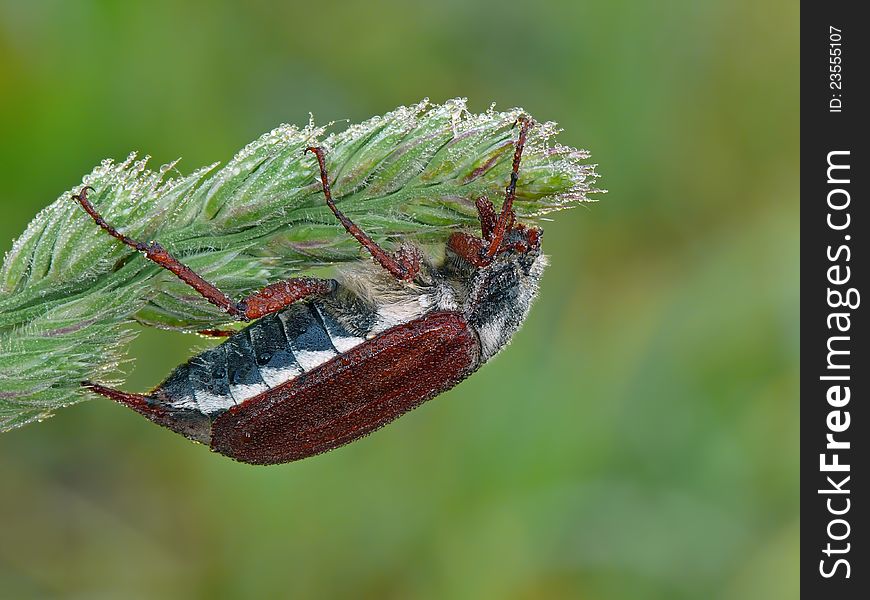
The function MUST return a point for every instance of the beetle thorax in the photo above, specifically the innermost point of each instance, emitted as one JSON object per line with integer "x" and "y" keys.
{"x": 500, "y": 296}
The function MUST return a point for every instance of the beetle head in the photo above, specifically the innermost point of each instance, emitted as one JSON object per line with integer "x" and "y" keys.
{"x": 512, "y": 239}
{"x": 501, "y": 287}
{"x": 521, "y": 239}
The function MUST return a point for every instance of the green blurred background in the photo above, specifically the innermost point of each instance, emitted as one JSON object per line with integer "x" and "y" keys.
{"x": 640, "y": 437}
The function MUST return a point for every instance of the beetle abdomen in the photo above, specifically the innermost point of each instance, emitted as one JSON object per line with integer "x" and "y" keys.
{"x": 352, "y": 395}
{"x": 274, "y": 350}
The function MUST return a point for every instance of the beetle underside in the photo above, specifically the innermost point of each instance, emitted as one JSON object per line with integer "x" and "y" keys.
{"x": 328, "y": 362}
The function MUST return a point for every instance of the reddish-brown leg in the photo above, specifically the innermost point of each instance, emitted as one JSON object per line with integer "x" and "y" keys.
{"x": 276, "y": 296}
{"x": 404, "y": 265}
{"x": 270, "y": 299}
{"x": 479, "y": 251}
{"x": 217, "y": 333}
{"x": 506, "y": 217}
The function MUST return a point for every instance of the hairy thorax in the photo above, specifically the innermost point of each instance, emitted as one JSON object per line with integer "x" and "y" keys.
{"x": 494, "y": 299}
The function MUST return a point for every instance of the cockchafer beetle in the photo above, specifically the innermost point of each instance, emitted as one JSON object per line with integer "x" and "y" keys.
{"x": 328, "y": 361}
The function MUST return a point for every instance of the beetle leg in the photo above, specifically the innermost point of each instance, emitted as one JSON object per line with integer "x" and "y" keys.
{"x": 404, "y": 265}
{"x": 270, "y": 299}
{"x": 506, "y": 217}
{"x": 276, "y": 296}
{"x": 217, "y": 333}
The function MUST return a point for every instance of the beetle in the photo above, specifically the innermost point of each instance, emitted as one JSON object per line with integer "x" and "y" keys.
{"x": 327, "y": 361}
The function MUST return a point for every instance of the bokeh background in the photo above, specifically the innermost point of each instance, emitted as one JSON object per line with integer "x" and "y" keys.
{"x": 640, "y": 437}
